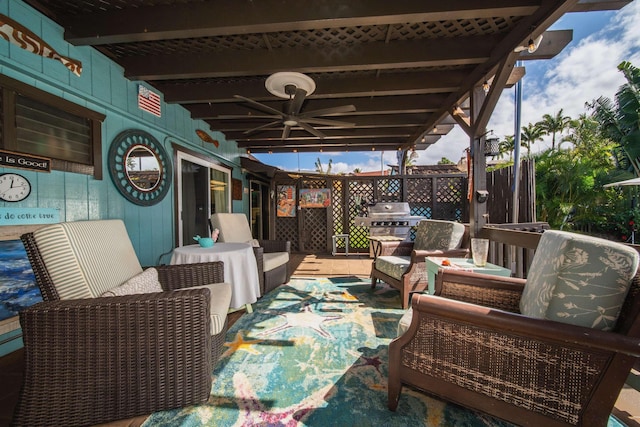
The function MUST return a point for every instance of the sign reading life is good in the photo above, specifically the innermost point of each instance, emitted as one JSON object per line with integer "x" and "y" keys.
{"x": 27, "y": 216}
{"x": 24, "y": 161}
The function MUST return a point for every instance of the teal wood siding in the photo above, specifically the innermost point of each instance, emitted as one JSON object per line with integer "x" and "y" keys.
{"x": 102, "y": 87}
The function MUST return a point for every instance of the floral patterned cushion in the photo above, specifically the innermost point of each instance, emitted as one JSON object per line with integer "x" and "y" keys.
{"x": 578, "y": 279}
{"x": 432, "y": 234}
{"x": 393, "y": 266}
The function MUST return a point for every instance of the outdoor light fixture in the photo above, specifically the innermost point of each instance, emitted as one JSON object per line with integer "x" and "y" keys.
{"x": 485, "y": 86}
{"x": 424, "y": 138}
{"x": 491, "y": 146}
{"x": 435, "y": 129}
{"x": 532, "y": 46}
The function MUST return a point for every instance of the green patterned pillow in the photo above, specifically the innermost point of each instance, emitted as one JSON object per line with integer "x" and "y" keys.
{"x": 433, "y": 234}
{"x": 578, "y": 279}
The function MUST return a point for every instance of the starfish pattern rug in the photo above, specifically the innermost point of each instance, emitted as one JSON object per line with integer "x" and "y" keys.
{"x": 314, "y": 353}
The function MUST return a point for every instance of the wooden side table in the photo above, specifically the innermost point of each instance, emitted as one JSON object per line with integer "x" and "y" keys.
{"x": 465, "y": 264}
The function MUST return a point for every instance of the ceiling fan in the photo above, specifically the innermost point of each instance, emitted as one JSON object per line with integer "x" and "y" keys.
{"x": 294, "y": 87}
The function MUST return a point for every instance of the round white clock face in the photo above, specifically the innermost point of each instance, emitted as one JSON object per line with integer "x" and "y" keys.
{"x": 14, "y": 187}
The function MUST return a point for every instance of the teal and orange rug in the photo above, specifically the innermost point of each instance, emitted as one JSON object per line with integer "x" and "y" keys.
{"x": 314, "y": 353}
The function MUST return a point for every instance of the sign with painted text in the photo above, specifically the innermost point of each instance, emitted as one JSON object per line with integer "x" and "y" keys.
{"x": 29, "y": 216}
{"x": 24, "y": 161}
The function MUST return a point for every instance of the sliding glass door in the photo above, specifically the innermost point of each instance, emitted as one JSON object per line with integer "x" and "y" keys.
{"x": 203, "y": 189}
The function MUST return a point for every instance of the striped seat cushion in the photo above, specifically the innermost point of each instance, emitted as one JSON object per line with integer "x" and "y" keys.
{"x": 87, "y": 258}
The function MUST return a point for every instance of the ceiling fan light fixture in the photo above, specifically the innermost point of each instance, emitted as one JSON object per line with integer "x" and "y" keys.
{"x": 277, "y": 84}
{"x": 290, "y": 121}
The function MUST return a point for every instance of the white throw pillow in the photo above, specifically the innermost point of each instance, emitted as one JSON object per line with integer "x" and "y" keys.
{"x": 143, "y": 283}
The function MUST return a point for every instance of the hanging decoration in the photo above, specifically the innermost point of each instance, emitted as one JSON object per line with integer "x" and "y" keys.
{"x": 206, "y": 137}
{"x": 149, "y": 101}
{"x": 21, "y": 36}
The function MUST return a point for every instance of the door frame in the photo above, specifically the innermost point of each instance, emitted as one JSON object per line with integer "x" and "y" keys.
{"x": 181, "y": 153}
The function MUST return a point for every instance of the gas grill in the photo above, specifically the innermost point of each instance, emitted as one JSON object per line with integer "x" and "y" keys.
{"x": 392, "y": 219}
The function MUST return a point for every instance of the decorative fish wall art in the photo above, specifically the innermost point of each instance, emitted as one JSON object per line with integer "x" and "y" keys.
{"x": 207, "y": 138}
{"x": 21, "y": 36}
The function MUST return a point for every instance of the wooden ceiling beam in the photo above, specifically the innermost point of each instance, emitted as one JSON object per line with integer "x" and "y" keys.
{"x": 406, "y": 104}
{"x": 440, "y": 52}
{"x": 221, "y": 17}
{"x": 341, "y": 86}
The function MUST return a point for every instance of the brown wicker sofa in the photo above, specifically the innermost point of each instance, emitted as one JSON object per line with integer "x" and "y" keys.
{"x": 472, "y": 343}
{"x": 91, "y": 360}
{"x": 402, "y": 264}
{"x": 273, "y": 257}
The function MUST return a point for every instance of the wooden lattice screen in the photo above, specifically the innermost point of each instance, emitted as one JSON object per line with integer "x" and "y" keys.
{"x": 437, "y": 196}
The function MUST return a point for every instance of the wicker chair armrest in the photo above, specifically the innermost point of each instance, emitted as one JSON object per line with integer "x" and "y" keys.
{"x": 96, "y": 360}
{"x": 258, "y": 251}
{"x": 486, "y": 290}
{"x": 275, "y": 245}
{"x": 395, "y": 248}
{"x": 542, "y": 333}
{"x": 180, "y": 276}
{"x": 418, "y": 255}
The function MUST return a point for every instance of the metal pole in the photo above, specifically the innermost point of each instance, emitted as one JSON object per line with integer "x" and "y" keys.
{"x": 516, "y": 150}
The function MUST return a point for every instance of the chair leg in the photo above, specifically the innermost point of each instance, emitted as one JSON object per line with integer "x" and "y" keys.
{"x": 249, "y": 308}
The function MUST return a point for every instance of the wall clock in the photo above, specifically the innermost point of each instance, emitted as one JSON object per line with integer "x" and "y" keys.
{"x": 14, "y": 187}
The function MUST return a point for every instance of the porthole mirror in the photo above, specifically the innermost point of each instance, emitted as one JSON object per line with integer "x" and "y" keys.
{"x": 139, "y": 167}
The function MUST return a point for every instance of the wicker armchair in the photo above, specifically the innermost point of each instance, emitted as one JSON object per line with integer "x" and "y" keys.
{"x": 402, "y": 264}
{"x": 94, "y": 359}
{"x": 272, "y": 256}
{"x": 564, "y": 362}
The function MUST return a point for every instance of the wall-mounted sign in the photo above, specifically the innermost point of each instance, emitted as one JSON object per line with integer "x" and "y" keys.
{"x": 315, "y": 198}
{"x": 24, "y": 161}
{"x": 28, "y": 216}
{"x": 286, "y": 201}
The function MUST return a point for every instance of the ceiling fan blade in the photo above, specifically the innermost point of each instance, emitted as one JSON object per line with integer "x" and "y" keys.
{"x": 245, "y": 116}
{"x": 298, "y": 100}
{"x": 330, "y": 110}
{"x": 258, "y": 105}
{"x": 265, "y": 126}
{"x": 285, "y": 132}
{"x": 312, "y": 130}
{"x": 326, "y": 122}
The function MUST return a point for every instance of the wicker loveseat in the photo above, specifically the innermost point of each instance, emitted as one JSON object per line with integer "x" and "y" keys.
{"x": 402, "y": 264}
{"x": 553, "y": 350}
{"x": 272, "y": 256}
{"x": 91, "y": 359}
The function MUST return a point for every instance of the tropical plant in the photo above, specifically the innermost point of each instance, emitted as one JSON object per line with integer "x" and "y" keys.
{"x": 552, "y": 125}
{"x": 319, "y": 167}
{"x": 507, "y": 145}
{"x": 620, "y": 120}
{"x": 529, "y": 135}
{"x": 445, "y": 161}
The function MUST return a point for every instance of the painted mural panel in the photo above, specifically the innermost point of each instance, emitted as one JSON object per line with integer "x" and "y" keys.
{"x": 17, "y": 283}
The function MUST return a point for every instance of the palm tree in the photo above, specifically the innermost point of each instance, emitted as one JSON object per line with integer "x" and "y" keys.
{"x": 529, "y": 135}
{"x": 620, "y": 121}
{"x": 551, "y": 125}
{"x": 507, "y": 145}
{"x": 319, "y": 167}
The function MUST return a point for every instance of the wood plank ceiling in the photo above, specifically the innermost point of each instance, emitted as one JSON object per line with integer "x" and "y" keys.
{"x": 405, "y": 65}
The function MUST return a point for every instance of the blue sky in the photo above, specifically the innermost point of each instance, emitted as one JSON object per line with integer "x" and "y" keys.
{"x": 584, "y": 70}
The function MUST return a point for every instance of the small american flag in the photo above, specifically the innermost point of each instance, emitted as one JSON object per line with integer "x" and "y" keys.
{"x": 148, "y": 101}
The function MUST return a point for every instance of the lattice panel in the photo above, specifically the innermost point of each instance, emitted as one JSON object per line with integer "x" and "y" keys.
{"x": 389, "y": 190}
{"x": 449, "y": 196}
{"x": 341, "y": 41}
{"x": 359, "y": 191}
{"x": 287, "y": 229}
{"x": 419, "y": 190}
{"x": 314, "y": 232}
{"x": 337, "y": 207}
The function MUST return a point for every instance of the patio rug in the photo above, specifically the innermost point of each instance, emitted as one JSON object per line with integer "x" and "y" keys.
{"x": 314, "y": 353}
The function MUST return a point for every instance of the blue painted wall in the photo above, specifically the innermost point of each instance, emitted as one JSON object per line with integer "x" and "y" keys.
{"x": 103, "y": 88}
